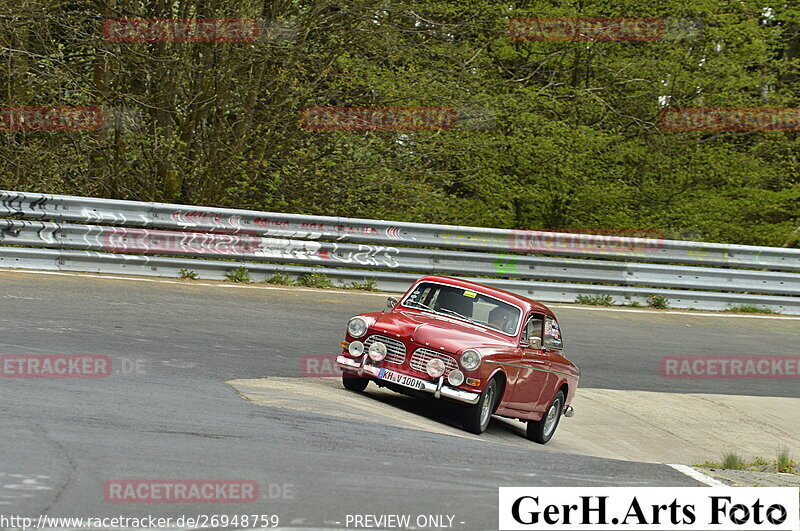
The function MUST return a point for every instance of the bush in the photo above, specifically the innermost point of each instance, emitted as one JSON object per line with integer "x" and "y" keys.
{"x": 749, "y": 308}
{"x": 367, "y": 285}
{"x": 280, "y": 279}
{"x": 240, "y": 274}
{"x": 595, "y": 300}
{"x": 658, "y": 301}
{"x": 188, "y": 274}
{"x": 732, "y": 461}
{"x": 784, "y": 463}
{"x": 314, "y": 280}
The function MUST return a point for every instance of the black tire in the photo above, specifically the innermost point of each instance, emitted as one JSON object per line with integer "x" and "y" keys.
{"x": 541, "y": 431}
{"x": 352, "y": 382}
{"x": 476, "y": 419}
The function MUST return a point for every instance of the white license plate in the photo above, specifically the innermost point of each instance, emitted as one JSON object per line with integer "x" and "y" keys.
{"x": 402, "y": 379}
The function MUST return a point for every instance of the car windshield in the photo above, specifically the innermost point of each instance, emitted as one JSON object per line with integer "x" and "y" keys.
{"x": 467, "y": 305}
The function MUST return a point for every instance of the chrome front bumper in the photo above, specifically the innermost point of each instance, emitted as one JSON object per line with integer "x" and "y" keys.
{"x": 437, "y": 389}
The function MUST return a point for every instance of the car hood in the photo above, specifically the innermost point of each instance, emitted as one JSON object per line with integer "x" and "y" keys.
{"x": 439, "y": 331}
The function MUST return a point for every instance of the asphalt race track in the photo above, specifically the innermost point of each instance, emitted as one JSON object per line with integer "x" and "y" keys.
{"x": 166, "y": 412}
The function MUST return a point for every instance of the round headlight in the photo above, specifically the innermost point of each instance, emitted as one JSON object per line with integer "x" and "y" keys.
{"x": 435, "y": 367}
{"x": 357, "y": 327}
{"x": 377, "y": 351}
{"x": 455, "y": 378}
{"x": 470, "y": 360}
{"x": 355, "y": 348}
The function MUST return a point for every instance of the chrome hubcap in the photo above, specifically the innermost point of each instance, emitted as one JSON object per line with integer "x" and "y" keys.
{"x": 486, "y": 408}
{"x": 552, "y": 417}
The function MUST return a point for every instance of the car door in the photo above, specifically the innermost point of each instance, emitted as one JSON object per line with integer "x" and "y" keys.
{"x": 533, "y": 366}
{"x": 553, "y": 348}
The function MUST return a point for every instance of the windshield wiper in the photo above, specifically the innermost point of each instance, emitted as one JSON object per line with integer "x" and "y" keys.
{"x": 473, "y": 321}
{"x": 421, "y": 305}
{"x": 453, "y": 312}
{"x": 490, "y": 325}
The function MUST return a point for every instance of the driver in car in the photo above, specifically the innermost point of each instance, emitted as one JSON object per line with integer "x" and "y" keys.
{"x": 502, "y": 318}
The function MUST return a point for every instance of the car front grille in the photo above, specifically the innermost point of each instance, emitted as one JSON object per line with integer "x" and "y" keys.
{"x": 421, "y": 357}
{"x": 395, "y": 350}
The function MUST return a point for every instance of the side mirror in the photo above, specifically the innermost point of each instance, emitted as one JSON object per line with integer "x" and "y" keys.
{"x": 391, "y": 302}
{"x": 534, "y": 342}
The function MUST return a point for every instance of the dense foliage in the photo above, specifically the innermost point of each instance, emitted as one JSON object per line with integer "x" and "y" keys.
{"x": 550, "y": 134}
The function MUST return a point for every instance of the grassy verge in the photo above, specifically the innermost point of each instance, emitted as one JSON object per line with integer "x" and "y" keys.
{"x": 749, "y": 308}
{"x": 783, "y": 462}
{"x": 309, "y": 280}
{"x": 654, "y": 301}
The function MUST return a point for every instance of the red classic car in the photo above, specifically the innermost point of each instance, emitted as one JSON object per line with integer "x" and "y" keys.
{"x": 496, "y": 352}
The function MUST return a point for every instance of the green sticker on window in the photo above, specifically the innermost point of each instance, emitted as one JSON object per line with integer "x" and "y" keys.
{"x": 470, "y": 294}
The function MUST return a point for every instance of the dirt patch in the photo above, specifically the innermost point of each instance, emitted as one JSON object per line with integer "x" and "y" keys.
{"x": 628, "y": 425}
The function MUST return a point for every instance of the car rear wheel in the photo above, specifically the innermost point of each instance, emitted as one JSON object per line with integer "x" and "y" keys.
{"x": 477, "y": 416}
{"x": 541, "y": 431}
{"x": 352, "y": 382}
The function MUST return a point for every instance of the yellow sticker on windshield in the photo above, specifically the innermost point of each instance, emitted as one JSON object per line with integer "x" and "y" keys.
{"x": 470, "y": 294}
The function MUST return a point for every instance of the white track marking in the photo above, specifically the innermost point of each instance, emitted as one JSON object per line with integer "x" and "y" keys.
{"x": 687, "y": 313}
{"x": 699, "y": 476}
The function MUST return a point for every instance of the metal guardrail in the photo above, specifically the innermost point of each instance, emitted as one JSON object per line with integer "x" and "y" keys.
{"x": 110, "y": 236}
{"x": 254, "y": 248}
{"x": 233, "y": 221}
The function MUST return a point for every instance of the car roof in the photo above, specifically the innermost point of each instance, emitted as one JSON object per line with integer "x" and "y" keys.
{"x": 526, "y": 303}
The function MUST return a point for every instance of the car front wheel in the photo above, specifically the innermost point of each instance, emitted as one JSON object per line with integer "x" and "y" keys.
{"x": 477, "y": 416}
{"x": 354, "y": 383}
{"x": 541, "y": 431}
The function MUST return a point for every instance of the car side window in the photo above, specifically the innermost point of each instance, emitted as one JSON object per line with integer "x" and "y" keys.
{"x": 424, "y": 293}
{"x": 533, "y": 330}
{"x": 552, "y": 334}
